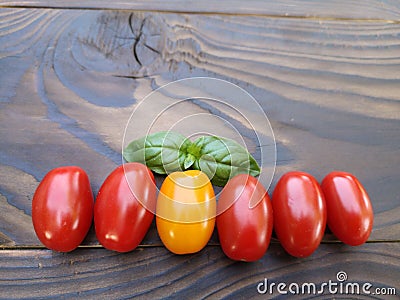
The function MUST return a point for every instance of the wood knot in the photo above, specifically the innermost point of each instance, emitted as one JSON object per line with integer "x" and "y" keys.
{"x": 129, "y": 44}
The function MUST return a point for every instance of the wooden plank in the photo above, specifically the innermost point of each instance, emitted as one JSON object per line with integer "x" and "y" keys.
{"x": 71, "y": 78}
{"x": 155, "y": 273}
{"x": 371, "y": 9}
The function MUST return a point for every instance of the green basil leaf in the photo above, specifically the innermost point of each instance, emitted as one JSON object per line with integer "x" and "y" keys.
{"x": 222, "y": 159}
{"x": 189, "y": 161}
{"x": 163, "y": 152}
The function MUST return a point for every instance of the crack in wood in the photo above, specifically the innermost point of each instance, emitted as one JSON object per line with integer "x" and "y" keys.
{"x": 131, "y": 76}
{"x": 152, "y": 49}
{"x": 136, "y": 37}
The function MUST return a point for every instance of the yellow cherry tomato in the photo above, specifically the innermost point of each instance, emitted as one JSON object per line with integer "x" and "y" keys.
{"x": 185, "y": 213}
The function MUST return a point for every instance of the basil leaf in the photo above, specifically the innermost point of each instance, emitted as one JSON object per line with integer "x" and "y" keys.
{"x": 189, "y": 161}
{"x": 163, "y": 152}
{"x": 222, "y": 159}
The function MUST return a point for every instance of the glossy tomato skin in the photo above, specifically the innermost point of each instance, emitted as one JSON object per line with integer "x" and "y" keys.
{"x": 62, "y": 208}
{"x": 299, "y": 213}
{"x": 350, "y": 213}
{"x": 186, "y": 209}
{"x": 245, "y": 219}
{"x": 124, "y": 207}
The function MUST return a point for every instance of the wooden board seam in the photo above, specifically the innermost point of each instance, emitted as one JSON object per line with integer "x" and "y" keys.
{"x": 203, "y": 12}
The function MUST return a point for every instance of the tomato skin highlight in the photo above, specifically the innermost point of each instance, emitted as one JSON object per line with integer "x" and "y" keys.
{"x": 186, "y": 209}
{"x": 245, "y": 219}
{"x": 124, "y": 207}
{"x": 350, "y": 213}
{"x": 62, "y": 208}
{"x": 300, "y": 213}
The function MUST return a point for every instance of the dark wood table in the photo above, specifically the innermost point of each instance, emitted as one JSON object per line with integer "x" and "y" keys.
{"x": 327, "y": 75}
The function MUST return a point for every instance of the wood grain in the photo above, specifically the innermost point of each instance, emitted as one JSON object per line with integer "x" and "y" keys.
{"x": 155, "y": 273}
{"x": 327, "y": 76}
{"x": 370, "y": 10}
{"x": 330, "y": 90}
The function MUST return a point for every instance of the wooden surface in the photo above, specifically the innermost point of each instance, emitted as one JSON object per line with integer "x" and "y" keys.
{"x": 384, "y": 10}
{"x": 328, "y": 80}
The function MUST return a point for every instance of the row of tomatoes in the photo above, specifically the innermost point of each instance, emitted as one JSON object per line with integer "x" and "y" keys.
{"x": 186, "y": 211}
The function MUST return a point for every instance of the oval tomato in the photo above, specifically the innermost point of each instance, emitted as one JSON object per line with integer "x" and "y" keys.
{"x": 244, "y": 220}
{"x": 124, "y": 207}
{"x": 299, "y": 213}
{"x": 350, "y": 214}
{"x": 62, "y": 208}
{"x": 186, "y": 209}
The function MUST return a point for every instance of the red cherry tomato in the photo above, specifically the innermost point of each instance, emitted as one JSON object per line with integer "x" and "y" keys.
{"x": 350, "y": 214}
{"x": 124, "y": 207}
{"x": 62, "y": 208}
{"x": 244, "y": 220}
{"x": 299, "y": 213}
